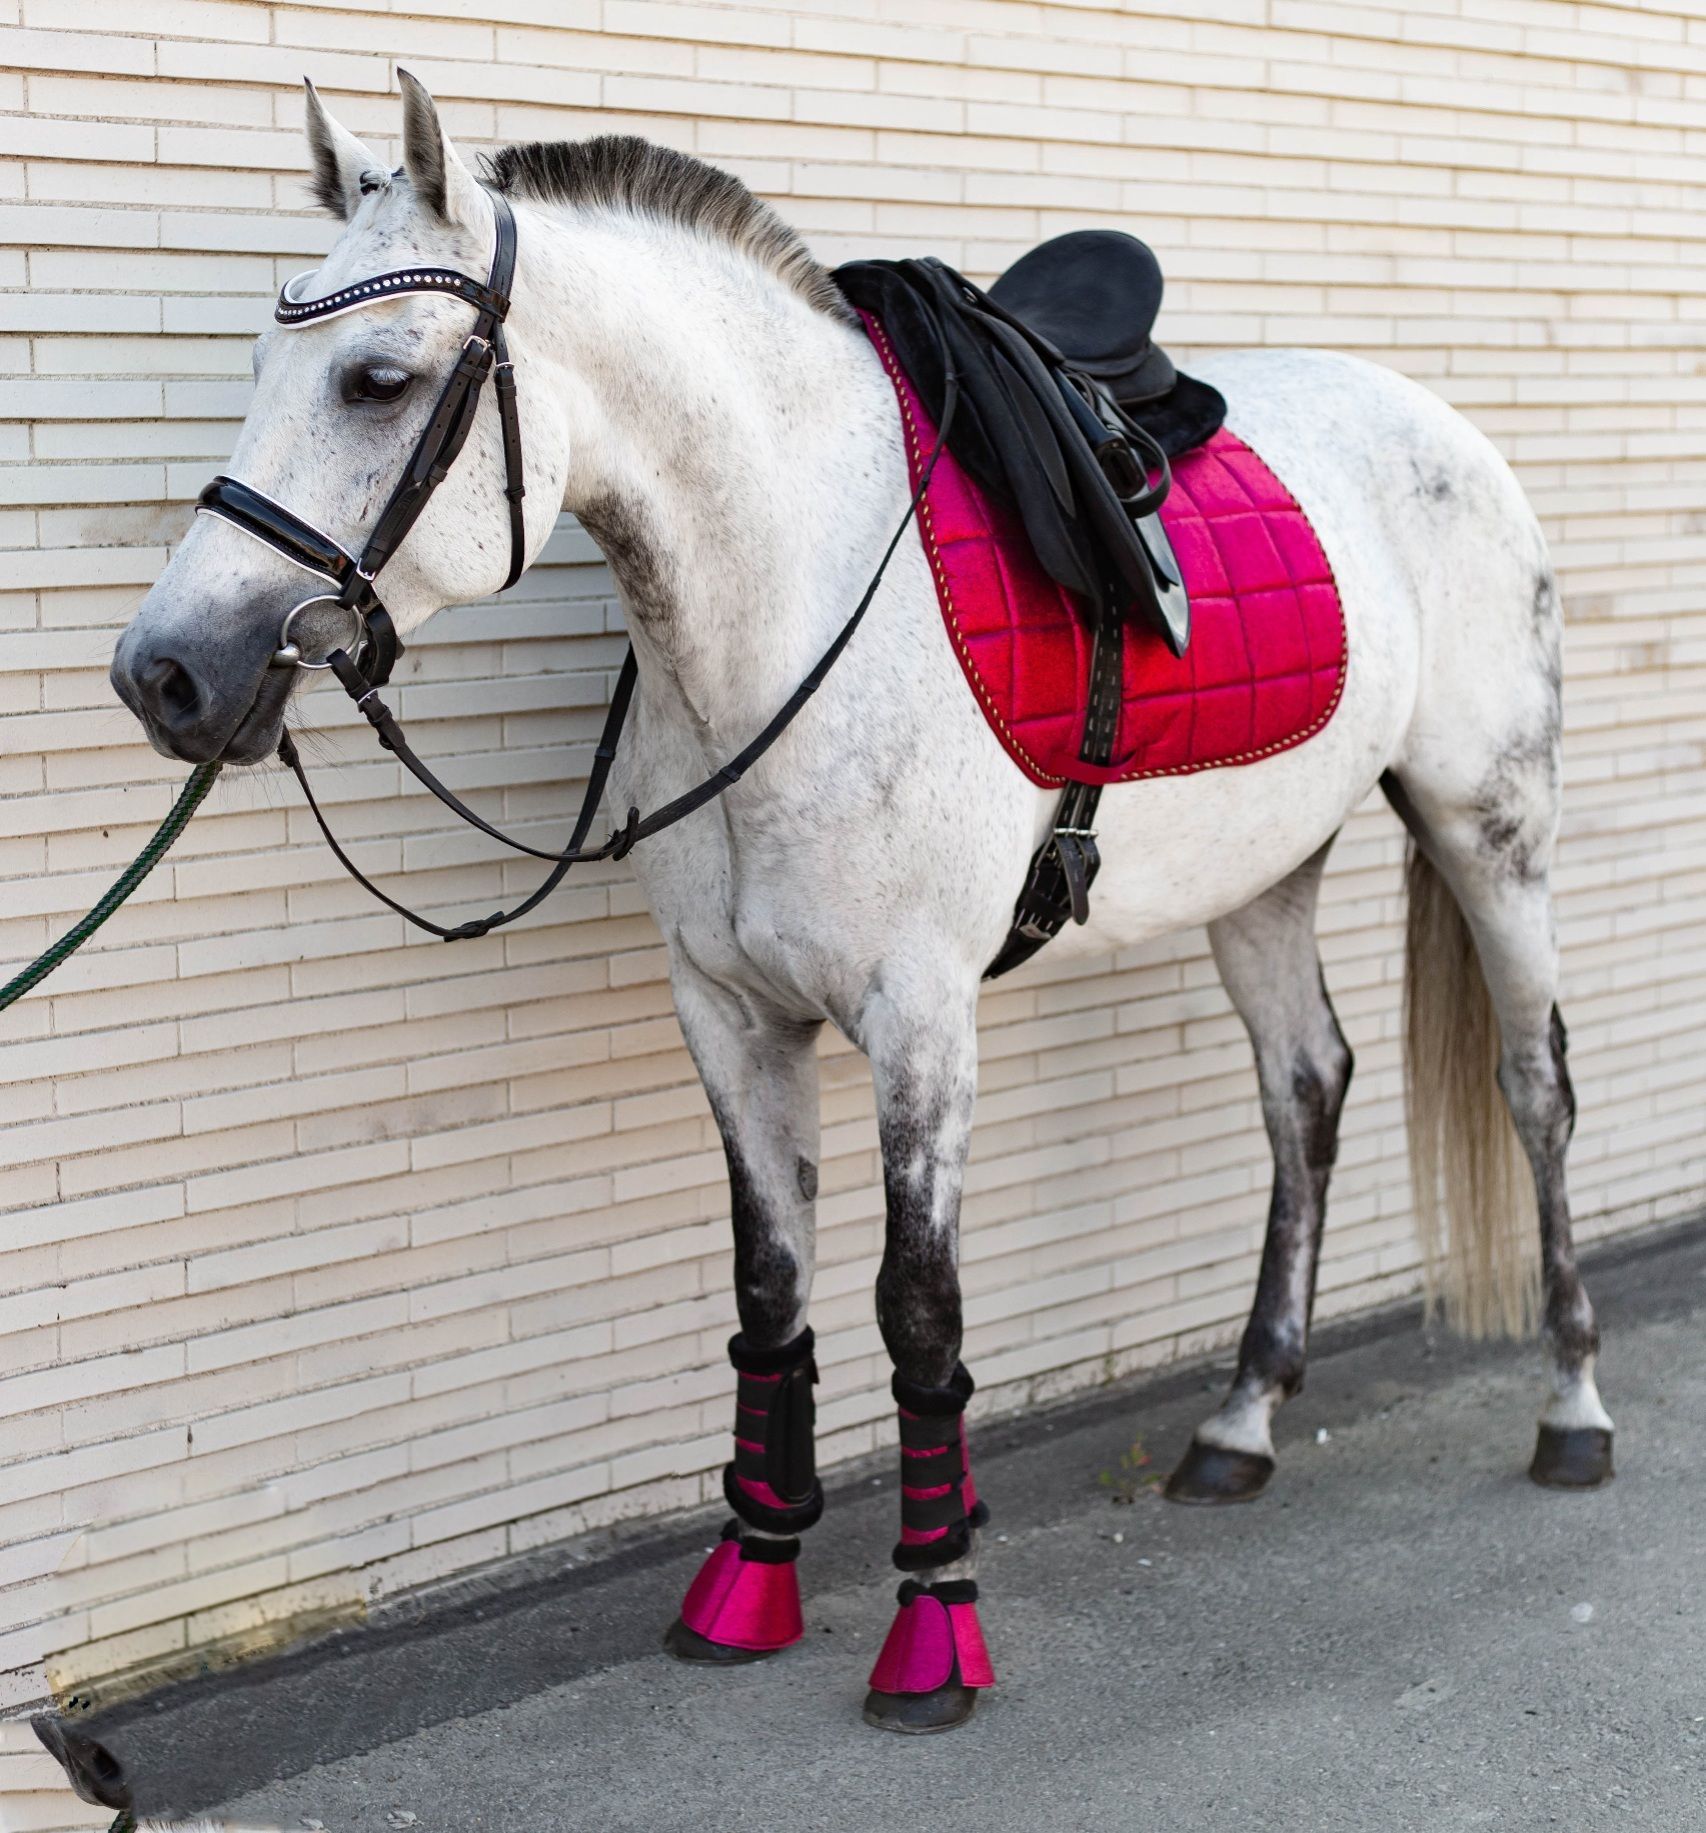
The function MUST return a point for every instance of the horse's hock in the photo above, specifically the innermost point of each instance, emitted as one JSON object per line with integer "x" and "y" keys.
{"x": 336, "y": 1267}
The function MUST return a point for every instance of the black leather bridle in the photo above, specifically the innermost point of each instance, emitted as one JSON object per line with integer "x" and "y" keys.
{"x": 442, "y": 438}
{"x": 365, "y": 665}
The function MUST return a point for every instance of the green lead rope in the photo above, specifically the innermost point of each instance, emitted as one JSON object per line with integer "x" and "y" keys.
{"x": 189, "y": 800}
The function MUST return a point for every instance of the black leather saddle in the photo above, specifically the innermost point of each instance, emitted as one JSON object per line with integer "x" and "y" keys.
{"x": 1095, "y": 294}
{"x": 1067, "y": 410}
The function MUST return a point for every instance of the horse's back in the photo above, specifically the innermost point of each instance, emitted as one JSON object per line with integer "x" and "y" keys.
{"x": 1435, "y": 555}
{"x": 1422, "y": 520}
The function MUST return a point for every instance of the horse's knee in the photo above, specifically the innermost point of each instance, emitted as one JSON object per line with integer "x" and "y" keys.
{"x": 1304, "y": 1083}
{"x": 1534, "y": 1077}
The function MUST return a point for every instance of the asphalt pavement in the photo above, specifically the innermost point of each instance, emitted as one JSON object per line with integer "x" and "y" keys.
{"x": 1402, "y": 1633}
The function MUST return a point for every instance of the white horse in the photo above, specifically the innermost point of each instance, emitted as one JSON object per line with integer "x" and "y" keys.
{"x": 696, "y": 391}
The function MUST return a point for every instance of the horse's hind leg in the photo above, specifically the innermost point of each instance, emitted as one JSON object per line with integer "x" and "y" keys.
{"x": 760, "y": 1072}
{"x": 1495, "y": 857}
{"x": 1268, "y": 962}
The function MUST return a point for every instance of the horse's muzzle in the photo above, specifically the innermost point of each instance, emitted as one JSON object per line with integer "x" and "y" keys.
{"x": 197, "y": 704}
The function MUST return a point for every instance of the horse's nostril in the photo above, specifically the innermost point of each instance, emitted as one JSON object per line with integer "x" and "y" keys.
{"x": 173, "y": 691}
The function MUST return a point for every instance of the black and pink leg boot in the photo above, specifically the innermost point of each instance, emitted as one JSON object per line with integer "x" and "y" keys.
{"x": 745, "y": 1602}
{"x": 934, "y": 1662}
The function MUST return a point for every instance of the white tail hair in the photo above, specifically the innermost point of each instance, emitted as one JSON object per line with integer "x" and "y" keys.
{"x": 1474, "y": 1197}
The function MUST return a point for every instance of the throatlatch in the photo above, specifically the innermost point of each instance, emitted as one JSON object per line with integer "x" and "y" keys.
{"x": 746, "y": 1597}
{"x": 935, "y": 1640}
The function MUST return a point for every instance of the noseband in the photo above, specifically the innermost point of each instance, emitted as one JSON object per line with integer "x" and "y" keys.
{"x": 365, "y": 666}
{"x": 374, "y": 638}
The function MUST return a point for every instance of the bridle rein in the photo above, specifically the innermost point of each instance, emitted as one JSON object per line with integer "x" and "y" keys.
{"x": 365, "y": 664}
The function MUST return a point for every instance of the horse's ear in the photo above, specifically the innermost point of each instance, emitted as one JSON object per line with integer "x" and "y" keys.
{"x": 441, "y": 181}
{"x": 340, "y": 160}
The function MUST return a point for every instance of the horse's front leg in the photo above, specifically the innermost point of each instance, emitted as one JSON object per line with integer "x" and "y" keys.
{"x": 760, "y": 1072}
{"x": 920, "y": 1033}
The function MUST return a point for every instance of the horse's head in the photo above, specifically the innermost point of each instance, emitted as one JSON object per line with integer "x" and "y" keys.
{"x": 339, "y": 404}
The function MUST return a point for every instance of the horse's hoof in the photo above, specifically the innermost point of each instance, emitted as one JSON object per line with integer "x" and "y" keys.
{"x": 1572, "y": 1457}
{"x": 1209, "y": 1473}
{"x": 918, "y": 1714}
{"x": 688, "y": 1645}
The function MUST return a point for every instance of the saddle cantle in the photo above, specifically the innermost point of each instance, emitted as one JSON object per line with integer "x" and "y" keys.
{"x": 1095, "y": 293}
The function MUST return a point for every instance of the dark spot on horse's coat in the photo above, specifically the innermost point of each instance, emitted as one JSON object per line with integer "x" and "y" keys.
{"x": 1545, "y": 596}
{"x": 1512, "y": 815}
{"x": 1547, "y": 625}
{"x": 805, "y": 1174}
{"x": 1435, "y": 485}
{"x": 635, "y": 556}
{"x": 767, "y": 1274}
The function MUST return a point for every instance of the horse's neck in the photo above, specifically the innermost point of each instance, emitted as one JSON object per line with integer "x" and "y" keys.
{"x": 734, "y": 451}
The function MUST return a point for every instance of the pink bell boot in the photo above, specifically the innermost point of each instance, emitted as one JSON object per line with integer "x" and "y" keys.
{"x": 745, "y": 1602}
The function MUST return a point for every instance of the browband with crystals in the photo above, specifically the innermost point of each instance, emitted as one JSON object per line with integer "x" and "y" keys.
{"x": 291, "y": 311}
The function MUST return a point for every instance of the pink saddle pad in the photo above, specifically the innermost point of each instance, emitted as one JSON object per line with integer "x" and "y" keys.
{"x": 1265, "y": 666}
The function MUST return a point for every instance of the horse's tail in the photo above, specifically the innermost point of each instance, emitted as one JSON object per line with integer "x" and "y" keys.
{"x": 1474, "y": 1199}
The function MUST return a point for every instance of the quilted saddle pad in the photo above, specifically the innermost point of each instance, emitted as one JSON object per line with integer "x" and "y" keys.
{"x": 1265, "y": 667}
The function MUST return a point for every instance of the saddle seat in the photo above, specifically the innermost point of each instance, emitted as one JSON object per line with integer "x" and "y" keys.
{"x": 1094, "y": 294}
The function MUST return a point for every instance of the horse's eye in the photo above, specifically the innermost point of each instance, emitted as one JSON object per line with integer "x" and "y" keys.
{"x": 378, "y": 382}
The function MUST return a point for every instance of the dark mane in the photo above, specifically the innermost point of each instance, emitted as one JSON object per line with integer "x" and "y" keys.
{"x": 628, "y": 173}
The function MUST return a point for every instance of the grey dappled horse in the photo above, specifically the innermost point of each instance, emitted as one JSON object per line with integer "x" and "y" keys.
{"x": 694, "y": 388}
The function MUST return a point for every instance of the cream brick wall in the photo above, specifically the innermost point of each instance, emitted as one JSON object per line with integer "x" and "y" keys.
{"x": 330, "y": 1263}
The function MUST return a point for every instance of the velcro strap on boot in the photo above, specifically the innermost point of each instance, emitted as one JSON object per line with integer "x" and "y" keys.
{"x": 772, "y": 1481}
{"x": 938, "y": 1504}
{"x": 948, "y": 1591}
